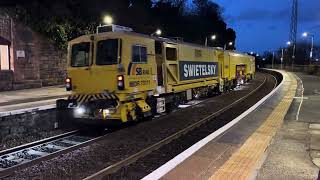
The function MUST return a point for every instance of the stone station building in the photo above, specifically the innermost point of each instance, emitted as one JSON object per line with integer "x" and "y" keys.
{"x": 27, "y": 59}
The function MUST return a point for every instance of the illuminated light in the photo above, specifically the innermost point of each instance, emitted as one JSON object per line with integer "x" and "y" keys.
{"x": 257, "y": 55}
{"x": 158, "y": 32}
{"x": 317, "y": 59}
{"x": 68, "y": 80}
{"x": 213, "y": 37}
{"x": 107, "y": 19}
{"x": 230, "y": 43}
{"x": 106, "y": 111}
{"x": 289, "y": 43}
{"x": 120, "y": 82}
{"x": 251, "y": 52}
{"x": 264, "y": 59}
{"x": 120, "y": 78}
{"x": 305, "y": 34}
{"x": 80, "y": 110}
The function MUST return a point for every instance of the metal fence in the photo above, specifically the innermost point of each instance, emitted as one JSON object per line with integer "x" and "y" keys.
{"x": 309, "y": 69}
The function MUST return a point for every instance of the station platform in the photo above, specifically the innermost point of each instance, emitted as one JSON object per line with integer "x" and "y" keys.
{"x": 277, "y": 138}
{"x": 20, "y": 101}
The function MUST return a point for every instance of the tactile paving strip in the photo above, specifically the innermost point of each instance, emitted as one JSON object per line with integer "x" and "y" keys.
{"x": 243, "y": 162}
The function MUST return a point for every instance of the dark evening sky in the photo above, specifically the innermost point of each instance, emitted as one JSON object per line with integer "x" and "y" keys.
{"x": 264, "y": 24}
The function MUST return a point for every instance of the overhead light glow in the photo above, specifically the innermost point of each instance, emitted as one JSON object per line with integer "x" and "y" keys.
{"x": 305, "y": 34}
{"x": 158, "y": 32}
{"x": 107, "y": 19}
{"x": 213, "y": 37}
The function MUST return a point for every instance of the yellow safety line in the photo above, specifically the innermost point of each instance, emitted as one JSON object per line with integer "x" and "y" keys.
{"x": 243, "y": 162}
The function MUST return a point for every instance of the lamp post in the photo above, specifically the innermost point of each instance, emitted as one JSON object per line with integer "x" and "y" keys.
{"x": 272, "y": 59}
{"x": 158, "y": 32}
{"x": 229, "y": 43}
{"x": 213, "y": 37}
{"x": 281, "y": 57}
{"x": 289, "y": 43}
{"x": 306, "y": 34}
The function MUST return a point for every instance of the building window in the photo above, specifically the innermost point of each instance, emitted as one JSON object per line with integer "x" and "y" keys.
{"x": 139, "y": 54}
{"x": 171, "y": 54}
{"x": 4, "y": 57}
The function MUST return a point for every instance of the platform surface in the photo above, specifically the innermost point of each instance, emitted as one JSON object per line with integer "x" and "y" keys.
{"x": 269, "y": 143}
{"x": 30, "y": 98}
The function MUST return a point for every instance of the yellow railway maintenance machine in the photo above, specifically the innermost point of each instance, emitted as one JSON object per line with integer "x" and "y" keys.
{"x": 120, "y": 75}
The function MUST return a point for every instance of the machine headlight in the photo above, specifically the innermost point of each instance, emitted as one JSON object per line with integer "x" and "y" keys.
{"x": 108, "y": 112}
{"x": 80, "y": 110}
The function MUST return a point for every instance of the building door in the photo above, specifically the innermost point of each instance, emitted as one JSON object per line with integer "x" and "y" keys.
{"x": 4, "y": 57}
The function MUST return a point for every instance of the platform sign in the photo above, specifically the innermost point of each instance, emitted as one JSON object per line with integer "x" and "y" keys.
{"x": 21, "y": 54}
{"x": 196, "y": 70}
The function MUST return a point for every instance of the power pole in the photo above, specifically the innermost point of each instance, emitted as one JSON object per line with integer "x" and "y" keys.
{"x": 293, "y": 28}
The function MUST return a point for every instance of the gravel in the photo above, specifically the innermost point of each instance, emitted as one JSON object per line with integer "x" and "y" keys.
{"x": 127, "y": 141}
{"x": 17, "y": 140}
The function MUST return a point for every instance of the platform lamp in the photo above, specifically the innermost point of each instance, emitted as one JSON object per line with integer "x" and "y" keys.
{"x": 306, "y": 34}
{"x": 213, "y": 37}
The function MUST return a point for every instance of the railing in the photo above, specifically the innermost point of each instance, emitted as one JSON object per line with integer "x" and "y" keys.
{"x": 313, "y": 69}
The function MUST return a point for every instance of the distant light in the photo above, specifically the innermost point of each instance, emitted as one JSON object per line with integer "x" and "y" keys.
{"x": 263, "y": 59}
{"x": 257, "y": 55}
{"x": 289, "y": 43}
{"x": 317, "y": 60}
{"x": 158, "y": 32}
{"x": 230, "y": 43}
{"x": 107, "y": 20}
{"x": 213, "y": 37}
{"x": 305, "y": 34}
{"x": 251, "y": 52}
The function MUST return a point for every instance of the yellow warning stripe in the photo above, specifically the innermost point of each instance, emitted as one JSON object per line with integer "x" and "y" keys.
{"x": 243, "y": 162}
{"x": 82, "y": 98}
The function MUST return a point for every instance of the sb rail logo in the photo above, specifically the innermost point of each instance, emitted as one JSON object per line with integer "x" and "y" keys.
{"x": 140, "y": 71}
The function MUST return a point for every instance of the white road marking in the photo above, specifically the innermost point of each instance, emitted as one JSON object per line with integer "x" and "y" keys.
{"x": 300, "y": 97}
{"x": 302, "y": 90}
{"x": 164, "y": 169}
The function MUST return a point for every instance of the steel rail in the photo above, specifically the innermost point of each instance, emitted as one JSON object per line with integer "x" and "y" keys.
{"x": 131, "y": 159}
{"x": 41, "y": 150}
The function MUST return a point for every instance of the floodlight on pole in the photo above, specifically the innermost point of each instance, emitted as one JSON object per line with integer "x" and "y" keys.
{"x": 158, "y": 32}
{"x": 289, "y": 43}
{"x": 107, "y": 20}
{"x": 213, "y": 37}
{"x": 306, "y": 34}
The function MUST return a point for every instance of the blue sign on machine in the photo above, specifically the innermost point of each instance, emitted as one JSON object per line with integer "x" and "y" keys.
{"x": 196, "y": 70}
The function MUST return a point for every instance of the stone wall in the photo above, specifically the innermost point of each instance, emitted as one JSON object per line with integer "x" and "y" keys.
{"x": 42, "y": 65}
{"x": 27, "y": 123}
{"x": 6, "y": 79}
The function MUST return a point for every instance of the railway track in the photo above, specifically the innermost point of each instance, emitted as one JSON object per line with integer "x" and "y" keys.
{"x": 32, "y": 153}
{"x": 133, "y": 158}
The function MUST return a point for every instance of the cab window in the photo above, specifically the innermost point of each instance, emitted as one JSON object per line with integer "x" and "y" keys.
{"x": 107, "y": 52}
{"x": 171, "y": 54}
{"x": 80, "y": 54}
{"x": 139, "y": 54}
